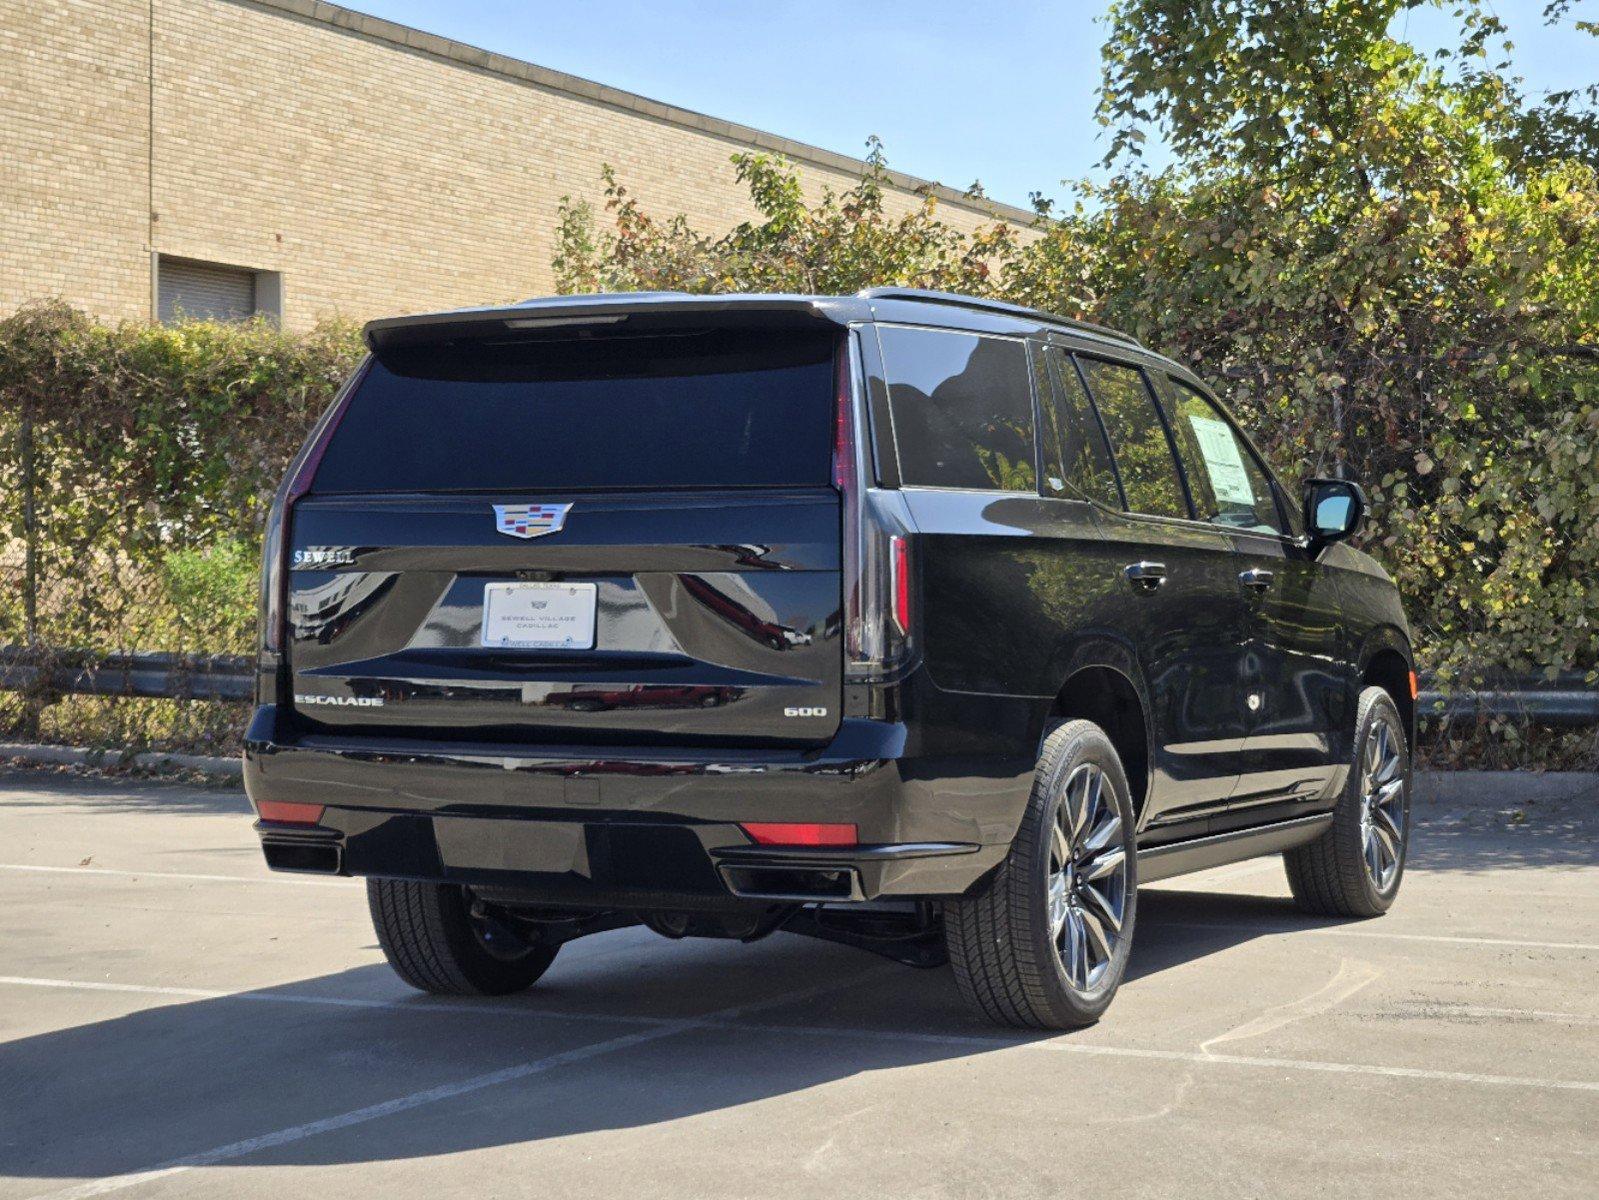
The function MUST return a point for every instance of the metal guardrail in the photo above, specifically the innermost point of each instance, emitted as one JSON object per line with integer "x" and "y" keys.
{"x": 1567, "y": 702}
{"x": 148, "y": 673}
{"x": 1537, "y": 703}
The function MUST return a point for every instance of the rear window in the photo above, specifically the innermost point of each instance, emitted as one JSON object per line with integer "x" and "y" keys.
{"x": 963, "y": 408}
{"x": 705, "y": 409}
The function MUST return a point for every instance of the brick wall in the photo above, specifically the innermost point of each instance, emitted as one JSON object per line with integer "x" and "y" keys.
{"x": 376, "y": 168}
{"x": 74, "y": 153}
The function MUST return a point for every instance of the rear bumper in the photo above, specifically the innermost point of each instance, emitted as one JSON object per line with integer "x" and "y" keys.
{"x": 643, "y": 828}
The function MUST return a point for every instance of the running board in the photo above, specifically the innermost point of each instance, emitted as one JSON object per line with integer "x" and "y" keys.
{"x": 1219, "y": 849}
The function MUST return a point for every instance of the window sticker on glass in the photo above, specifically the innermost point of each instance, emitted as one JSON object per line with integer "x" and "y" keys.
{"x": 1222, "y": 461}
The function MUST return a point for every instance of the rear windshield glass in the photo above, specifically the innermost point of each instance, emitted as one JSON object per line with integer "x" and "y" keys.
{"x": 707, "y": 409}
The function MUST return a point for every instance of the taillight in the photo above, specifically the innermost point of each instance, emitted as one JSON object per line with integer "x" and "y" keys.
{"x": 272, "y": 581}
{"x": 899, "y": 571}
{"x": 800, "y": 833}
{"x": 275, "y": 551}
{"x": 286, "y": 812}
{"x": 878, "y": 579}
{"x": 844, "y": 473}
{"x": 846, "y": 478}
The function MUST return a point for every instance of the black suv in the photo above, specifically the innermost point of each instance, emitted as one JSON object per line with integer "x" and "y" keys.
{"x": 921, "y": 623}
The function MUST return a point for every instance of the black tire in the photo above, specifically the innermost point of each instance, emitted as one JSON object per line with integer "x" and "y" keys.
{"x": 430, "y": 938}
{"x": 1335, "y": 876}
{"x": 1009, "y": 960}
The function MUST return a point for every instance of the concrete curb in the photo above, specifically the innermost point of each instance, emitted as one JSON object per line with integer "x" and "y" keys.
{"x": 1498, "y": 788}
{"x": 74, "y": 756}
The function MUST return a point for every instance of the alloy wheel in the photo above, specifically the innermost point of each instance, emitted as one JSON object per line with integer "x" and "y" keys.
{"x": 1382, "y": 804}
{"x": 1087, "y": 878}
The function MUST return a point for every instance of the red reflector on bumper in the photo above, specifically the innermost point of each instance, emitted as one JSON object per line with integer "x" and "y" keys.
{"x": 289, "y": 814}
{"x": 796, "y": 833}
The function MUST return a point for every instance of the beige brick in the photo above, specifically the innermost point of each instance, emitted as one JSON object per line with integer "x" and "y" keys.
{"x": 380, "y": 170}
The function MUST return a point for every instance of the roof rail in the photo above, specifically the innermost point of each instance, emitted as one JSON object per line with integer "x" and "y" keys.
{"x": 1016, "y": 310}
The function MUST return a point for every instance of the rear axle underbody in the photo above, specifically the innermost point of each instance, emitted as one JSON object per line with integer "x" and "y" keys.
{"x": 909, "y": 932}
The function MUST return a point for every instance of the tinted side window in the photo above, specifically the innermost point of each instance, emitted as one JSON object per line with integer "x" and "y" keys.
{"x": 1235, "y": 488}
{"x": 962, "y": 407}
{"x": 1076, "y": 458}
{"x": 1143, "y": 453}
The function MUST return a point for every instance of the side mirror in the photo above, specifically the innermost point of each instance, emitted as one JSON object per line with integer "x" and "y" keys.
{"x": 1334, "y": 510}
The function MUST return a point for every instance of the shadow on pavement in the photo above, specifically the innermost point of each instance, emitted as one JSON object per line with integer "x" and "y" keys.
{"x": 131, "y": 1092}
{"x": 1482, "y": 838}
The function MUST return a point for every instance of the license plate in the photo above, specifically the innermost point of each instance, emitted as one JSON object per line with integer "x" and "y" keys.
{"x": 539, "y": 616}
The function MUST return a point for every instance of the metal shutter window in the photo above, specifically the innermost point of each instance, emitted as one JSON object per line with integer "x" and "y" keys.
{"x": 204, "y": 291}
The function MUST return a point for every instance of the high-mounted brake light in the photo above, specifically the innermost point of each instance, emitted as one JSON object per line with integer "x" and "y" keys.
{"x": 800, "y": 833}
{"x": 289, "y": 813}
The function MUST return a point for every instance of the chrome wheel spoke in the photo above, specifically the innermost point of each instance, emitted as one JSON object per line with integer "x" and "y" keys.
{"x": 1080, "y": 796}
{"x": 1057, "y": 907}
{"x": 1076, "y": 968}
{"x": 1387, "y": 847}
{"x": 1104, "y": 906}
{"x": 1096, "y": 799}
{"x": 1389, "y": 764}
{"x": 1107, "y": 832}
{"x": 1106, "y": 862}
{"x": 1384, "y": 824}
{"x": 1060, "y": 849}
{"x": 1096, "y": 939}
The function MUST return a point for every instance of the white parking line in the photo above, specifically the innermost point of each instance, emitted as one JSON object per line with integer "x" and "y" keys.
{"x": 729, "y": 1019}
{"x": 295, "y": 881}
{"x": 360, "y": 1116}
{"x": 466, "y": 1007}
{"x": 1336, "y": 1068}
{"x": 1341, "y": 931}
{"x": 433, "y": 1095}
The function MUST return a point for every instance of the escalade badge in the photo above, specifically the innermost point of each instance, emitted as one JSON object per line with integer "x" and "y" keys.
{"x": 530, "y": 520}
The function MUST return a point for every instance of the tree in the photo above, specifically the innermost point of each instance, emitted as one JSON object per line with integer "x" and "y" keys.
{"x": 843, "y": 242}
{"x": 1390, "y": 259}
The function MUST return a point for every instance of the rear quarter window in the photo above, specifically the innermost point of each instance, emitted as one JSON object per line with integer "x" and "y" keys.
{"x": 962, "y": 408}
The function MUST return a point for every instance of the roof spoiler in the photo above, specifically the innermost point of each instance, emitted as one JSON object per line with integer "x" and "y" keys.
{"x": 644, "y": 310}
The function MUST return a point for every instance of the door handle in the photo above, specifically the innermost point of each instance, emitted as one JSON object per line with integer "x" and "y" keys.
{"x": 1257, "y": 578}
{"x": 1145, "y": 576}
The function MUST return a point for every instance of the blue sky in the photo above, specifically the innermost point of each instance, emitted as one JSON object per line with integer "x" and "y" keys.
{"x": 1003, "y": 92}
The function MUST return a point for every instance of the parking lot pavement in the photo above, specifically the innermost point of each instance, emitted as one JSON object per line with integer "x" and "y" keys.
{"x": 175, "y": 1021}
